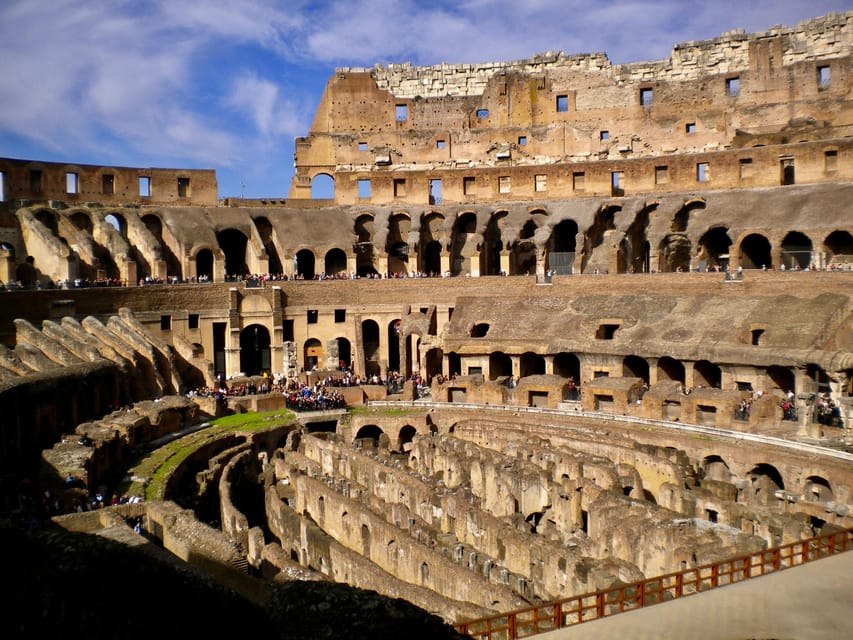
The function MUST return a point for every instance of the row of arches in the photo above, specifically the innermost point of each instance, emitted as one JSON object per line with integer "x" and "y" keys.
{"x": 499, "y": 243}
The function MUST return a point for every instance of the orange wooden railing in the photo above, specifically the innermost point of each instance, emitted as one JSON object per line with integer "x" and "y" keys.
{"x": 523, "y": 623}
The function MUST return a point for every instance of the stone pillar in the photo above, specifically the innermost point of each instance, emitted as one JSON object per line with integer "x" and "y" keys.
{"x": 505, "y": 262}
{"x": 805, "y": 412}
{"x": 445, "y": 262}
{"x": 474, "y": 265}
{"x": 549, "y": 364}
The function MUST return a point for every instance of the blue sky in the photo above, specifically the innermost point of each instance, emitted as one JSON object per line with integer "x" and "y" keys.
{"x": 229, "y": 84}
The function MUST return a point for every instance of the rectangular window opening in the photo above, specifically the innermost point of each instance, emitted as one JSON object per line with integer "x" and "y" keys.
{"x": 399, "y": 187}
{"x": 401, "y": 112}
{"x": 786, "y": 166}
{"x": 733, "y": 87}
{"x": 646, "y": 97}
{"x": 311, "y": 316}
{"x": 468, "y": 185}
{"x": 606, "y": 331}
{"x": 690, "y": 127}
{"x": 745, "y": 168}
{"x": 108, "y": 184}
{"x": 183, "y": 187}
{"x": 522, "y": 140}
{"x": 340, "y": 315}
{"x": 617, "y": 183}
{"x": 144, "y": 187}
{"x": 578, "y": 181}
{"x": 2, "y": 186}
{"x": 504, "y": 184}
{"x": 440, "y": 144}
{"x": 72, "y": 183}
{"x": 661, "y": 174}
{"x": 830, "y": 161}
{"x": 603, "y": 135}
{"x": 541, "y": 182}
{"x": 562, "y": 103}
{"x": 165, "y": 323}
{"x": 363, "y": 188}
{"x": 435, "y": 191}
{"x": 823, "y": 76}
{"x": 702, "y": 172}
{"x": 362, "y": 146}
{"x": 287, "y": 331}
{"x": 192, "y": 321}
{"x": 482, "y": 113}
{"x": 35, "y": 180}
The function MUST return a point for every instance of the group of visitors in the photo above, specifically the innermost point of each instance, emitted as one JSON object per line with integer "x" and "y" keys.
{"x": 300, "y": 396}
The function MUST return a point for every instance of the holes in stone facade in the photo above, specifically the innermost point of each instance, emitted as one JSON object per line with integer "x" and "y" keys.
{"x": 362, "y": 146}
{"x": 661, "y": 174}
{"x": 690, "y": 127}
{"x": 363, "y": 188}
{"x": 733, "y": 87}
{"x": 35, "y": 180}
{"x": 703, "y": 172}
{"x": 183, "y": 187}
{"x": 482, "y": 113}
{"x": 522, "y": 140}
{"x": 480, "y": 330}
{"x": 399, "y": 187}
{"x": 646, "y": 97}
{"x": 144, "y": 187}
{"x": 401, "y": 112}
{"x": 746, "y": 168}
{"x": 606, "y": 331}
{"x": 440, "y": 144}
{"x": 830, "y": 161}
{"x": 72, "y": 185}
{"x": 823, "y": 76}
{"x": 562, "y": 103}
{"x": 311, "y": 316}
{"x": 192, "y": 321}
{"x": 578, "y": 181}
{"x": 603, "y": 135}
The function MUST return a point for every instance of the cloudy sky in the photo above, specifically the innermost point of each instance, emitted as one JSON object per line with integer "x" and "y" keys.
{"x": 229, "y": 84}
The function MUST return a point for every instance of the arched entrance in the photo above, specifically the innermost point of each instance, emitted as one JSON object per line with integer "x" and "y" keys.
{"x": 322, "y": 187}
{"x": 204, "y": 265}
{"x": 462, "y": 245}
{"x": 233, "y": 244}
{"x": 335, "y": 263}
{"x": 304, "y": 264}
{"x": 370, "y": 340}
{"x": 796, "y": 251}
{"x": 755, "y": 252}
{"x": 364, "y": 253}
{"x": 312, "y": 354}
{"x": 561, "y": 254}
{"x": 714, "y": 249}
{"x": 255, "y": 350}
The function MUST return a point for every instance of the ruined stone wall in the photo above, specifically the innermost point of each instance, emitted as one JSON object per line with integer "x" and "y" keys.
{"x": 510, "y": 122}
{"x": 37, "y": 181}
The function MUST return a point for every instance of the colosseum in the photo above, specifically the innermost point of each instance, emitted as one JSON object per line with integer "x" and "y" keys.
{"x": 564, "y": 325}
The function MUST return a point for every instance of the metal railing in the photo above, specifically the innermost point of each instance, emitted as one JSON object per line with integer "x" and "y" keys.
{"x": 568, "y": 612}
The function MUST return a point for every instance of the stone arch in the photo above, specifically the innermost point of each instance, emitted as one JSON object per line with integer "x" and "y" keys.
{"x": 204, "y": 264}
{"x": 463, "y": 243}
{"x": 781, "y": 378}
{"x": 434, "y": 362}
{"x": 303, "y": 263}
{"x": 670, "y": 369}
{"x": 82, "y": 220}
{"x": 817, "y": 489}
{"x": 492, "y": 246}
{"x": 796, "y": 251}
{"x": 335, "y": 262}
{"x": 562, "y": 247}
{"x": 397, "y": 243}
{"x": 500, "y": 364}
{"x": 604, "y": 221}
{"x": 429, "y": 243}
{"x": 754, "y": 252}
{"x": 567, "y": 365}
{"x": 637, "y": 239}
{"x": 365, "y": 255}
{"x": 681, "y": 219}
{"x": 255, "y": 350}
{"x": 635, "y": 367}
{"x": 523, "y": 253}
{"x": 370, "y": 345}
{"x": 370, "y": 432}
{"x": 839, "y": 247}
{"x": 118, "y": 222}
{"x": 765, "y": 479}
{"x": 394, "y": 345}
{"x": 531, "y": 364}
{"x": 674, "y": 253}
{"x": 344, "y": 352}
{"x": 234, "y": 244}
{"x": 322, "y": 187}
{"x": 407, "y": 435}
{"x": 266, "y": 233}
{"x": 312, "y": 354}
{"x": 154, "y": 224}
{"x": 715, "y": 468}
{"x": 707, "y": 374}
{"x": 714, "y": 246}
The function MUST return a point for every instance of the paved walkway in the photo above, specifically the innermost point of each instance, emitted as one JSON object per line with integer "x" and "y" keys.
{"x": 813, "y": 601}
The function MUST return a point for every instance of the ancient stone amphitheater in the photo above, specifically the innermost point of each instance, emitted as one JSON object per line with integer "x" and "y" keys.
{"x": 598, "y": 319}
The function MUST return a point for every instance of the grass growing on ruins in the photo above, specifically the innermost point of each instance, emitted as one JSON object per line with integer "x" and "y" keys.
{"x": 150, "y": 472}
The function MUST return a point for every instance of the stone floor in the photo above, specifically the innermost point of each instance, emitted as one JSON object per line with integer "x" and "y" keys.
{"x": 808, "y": 602}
